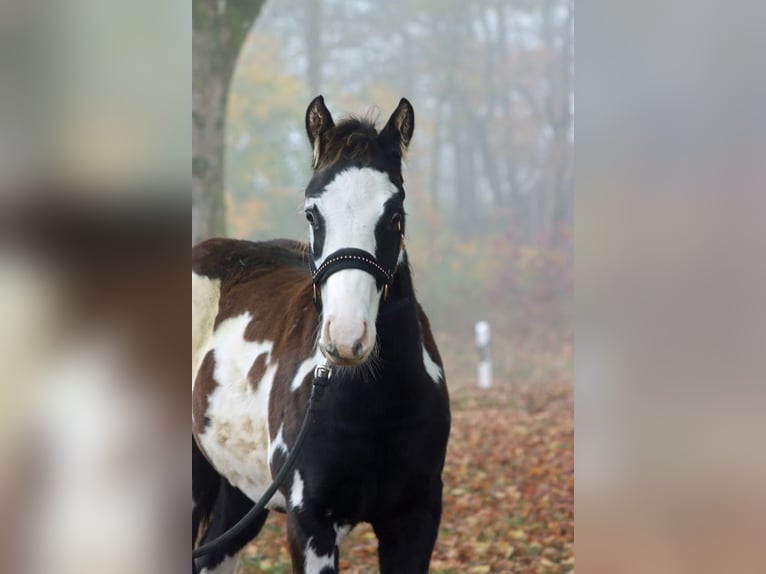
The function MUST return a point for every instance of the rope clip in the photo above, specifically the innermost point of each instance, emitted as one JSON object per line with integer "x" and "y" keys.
{"x": 323, "y": 371}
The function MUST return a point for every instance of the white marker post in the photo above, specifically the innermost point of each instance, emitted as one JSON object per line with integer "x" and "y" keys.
{"x": 485, "y": 363}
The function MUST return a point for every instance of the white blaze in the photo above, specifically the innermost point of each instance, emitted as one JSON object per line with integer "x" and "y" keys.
{"x": 351, "y": 206}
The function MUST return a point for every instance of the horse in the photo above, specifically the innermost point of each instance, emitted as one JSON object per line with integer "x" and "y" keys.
{"x": 265, "y": 314}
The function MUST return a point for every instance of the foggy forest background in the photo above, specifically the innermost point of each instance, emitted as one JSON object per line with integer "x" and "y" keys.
{"x": 489, "y": 172}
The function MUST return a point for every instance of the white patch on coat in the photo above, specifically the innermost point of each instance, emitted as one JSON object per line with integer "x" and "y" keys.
{"x": 227, "y": 566}
{"x": 316, "y": 563}
{"x": 236, "y": 439}
{"x": 341, "y": 531}
{"x": 296, "y": 491}
{"x": 304, "y": 369}
{"x": 434, "y": 371}
{"x": 351, "y": 206}
{"x": 234, "y": 355}
{"x": 206, "y": 294}
{"x": 278, "y": 443}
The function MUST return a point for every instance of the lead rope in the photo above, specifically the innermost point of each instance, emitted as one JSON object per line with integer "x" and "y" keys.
{"x": 322, "y": 375}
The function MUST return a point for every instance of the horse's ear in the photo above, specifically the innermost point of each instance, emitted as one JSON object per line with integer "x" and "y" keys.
{"x": 400, "y": 126}
{"x": 318, "y": 121}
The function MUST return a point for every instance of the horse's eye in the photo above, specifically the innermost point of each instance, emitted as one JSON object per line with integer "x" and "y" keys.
{"x": 396, "y": 219}
{"x": 311, "y": 218}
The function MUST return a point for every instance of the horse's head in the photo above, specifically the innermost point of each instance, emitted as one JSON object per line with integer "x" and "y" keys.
{"x": 355, "y": 210}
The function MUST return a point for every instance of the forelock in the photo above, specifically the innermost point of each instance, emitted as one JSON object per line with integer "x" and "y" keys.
{"x": 353, "y": 140}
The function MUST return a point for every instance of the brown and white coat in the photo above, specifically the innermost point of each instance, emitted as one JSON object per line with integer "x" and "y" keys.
{"x": 377, "y": 449}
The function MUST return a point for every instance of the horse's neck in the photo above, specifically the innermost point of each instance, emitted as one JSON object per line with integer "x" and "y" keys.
{"x": 399, "y": 330}
{"x": 403, "y": 286}
{"x": 394, "y": 397}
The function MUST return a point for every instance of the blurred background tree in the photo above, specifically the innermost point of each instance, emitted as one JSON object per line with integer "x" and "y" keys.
{"x": 219, "y": 29}
{"x": 489, "y": 177}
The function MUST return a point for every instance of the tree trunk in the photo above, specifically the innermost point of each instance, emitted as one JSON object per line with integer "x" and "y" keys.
{"x": 219, "y": 30}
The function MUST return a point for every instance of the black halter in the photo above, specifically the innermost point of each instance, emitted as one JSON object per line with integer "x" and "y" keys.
{"x": 352, "y": 258}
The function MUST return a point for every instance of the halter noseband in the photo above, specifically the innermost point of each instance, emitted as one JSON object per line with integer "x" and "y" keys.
{"x": 352, "y": 258}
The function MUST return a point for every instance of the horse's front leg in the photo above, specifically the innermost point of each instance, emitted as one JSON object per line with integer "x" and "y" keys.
{"x": 313, "y": 541}
{"x": 405, "y": 542}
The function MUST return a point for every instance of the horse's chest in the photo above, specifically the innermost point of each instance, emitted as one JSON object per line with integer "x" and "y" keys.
{"x": 359, "y": 470}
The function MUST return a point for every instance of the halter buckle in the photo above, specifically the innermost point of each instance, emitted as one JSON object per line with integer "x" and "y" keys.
{"x": 323, "y": 371}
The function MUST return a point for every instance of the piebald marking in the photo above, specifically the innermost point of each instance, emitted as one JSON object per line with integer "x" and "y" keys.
{"x": 296, "y": 491}
{"x": 206, "y": 294}
{"x": 315, "y": 563}
{"x": 236, "y": 439}
{"x": 341, "y": 531}
{"x": 278, "y": 443}
{"x": 304, "y": 369}
{"x": 434, "y": 370}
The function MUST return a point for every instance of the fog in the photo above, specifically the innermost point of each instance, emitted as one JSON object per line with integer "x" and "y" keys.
{"x": 489, "y": 176}
{"x": 670, "y": 266}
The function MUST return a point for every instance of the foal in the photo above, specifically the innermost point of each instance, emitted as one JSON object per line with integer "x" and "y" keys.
{"x": 265, "y": 314}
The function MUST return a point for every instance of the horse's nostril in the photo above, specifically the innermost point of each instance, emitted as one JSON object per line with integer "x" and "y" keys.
{"x": 331, "y": 350}
{"x": 357, "y": 349}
